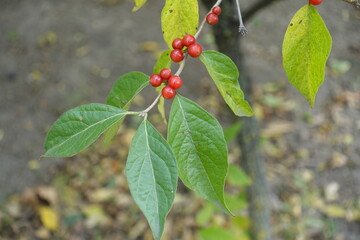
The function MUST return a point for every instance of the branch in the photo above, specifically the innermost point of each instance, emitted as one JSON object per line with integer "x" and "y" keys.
{"x": 355, "y": 3}
{"x": 144, "y": 112}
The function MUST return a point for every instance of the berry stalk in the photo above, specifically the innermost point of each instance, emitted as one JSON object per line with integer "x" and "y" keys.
{"x": 204, "y": 20}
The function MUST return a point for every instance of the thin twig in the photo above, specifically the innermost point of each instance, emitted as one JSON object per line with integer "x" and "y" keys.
{"x": 143, "y": 113}
{"x": 355, "y": 3}
{"x": 181, "y": 67}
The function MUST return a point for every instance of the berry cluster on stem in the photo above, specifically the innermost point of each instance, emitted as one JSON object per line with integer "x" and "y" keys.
{"x": 172, "y": 82}
{"x": 178, "y": 54}
{"x": 212, "y": 17}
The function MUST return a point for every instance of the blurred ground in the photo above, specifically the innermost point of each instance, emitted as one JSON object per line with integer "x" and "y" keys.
{"x": 59, "y": 54}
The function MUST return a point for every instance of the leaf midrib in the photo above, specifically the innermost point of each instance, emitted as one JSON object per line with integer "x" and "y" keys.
{"x": 207, "y": 175}
{"x": 152, "y": 168}
{"x": 91, "y": 126}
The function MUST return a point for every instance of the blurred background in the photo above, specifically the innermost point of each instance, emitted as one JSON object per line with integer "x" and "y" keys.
{"x": 56, "y": 55}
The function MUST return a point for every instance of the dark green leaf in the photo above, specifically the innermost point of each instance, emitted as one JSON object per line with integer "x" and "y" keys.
{"x": 77, "y": 128}
{"x": 225, "y": 75}
{"x": 152, "y": 175}
{"x": 199, "y": 145}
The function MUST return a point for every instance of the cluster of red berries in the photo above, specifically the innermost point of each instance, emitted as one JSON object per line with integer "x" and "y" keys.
{"x": 315, "y": 2}
{"x": 189, "y": 41}
{"x": 173, "y": 82}
{"x": 212, "y": 18}
{"x": 177, "y": 55}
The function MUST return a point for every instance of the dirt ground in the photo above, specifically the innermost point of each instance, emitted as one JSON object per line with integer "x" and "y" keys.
{"x": 56, "y": 55}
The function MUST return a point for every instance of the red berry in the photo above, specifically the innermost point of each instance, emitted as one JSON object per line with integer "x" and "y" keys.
{"x": 177, "y": 55}
{"x": 188, "y": 40}
{"x": 155, "y": 80}
{"x": 315, "y": 2}
{"x": 216, "y": 10}
{"x": 177, "y": 43}
{"x": 168, "y": 92}
{"x": 165, "y": 73}
{"x": 175, "y": 82}
{"x": 212, "y": 18}
{"x": 195, "y": 50}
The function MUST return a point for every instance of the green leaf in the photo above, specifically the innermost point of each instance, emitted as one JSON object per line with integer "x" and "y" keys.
{"x": 126, "y": 88}
{"x": 109, "y": 135}
{"x": 237, "y": 177}
{"x": 152, "y": 175}
{"x": 164, "y": 61}
{"x": 205, "y": 214}
{"x": 232, "y": 131}
{"x": 77, "y": 128}
{"x": 225, "y": 75}
{"x": 236, "y": 203}
{"x": 161, "y": 108}
{"x": 199, "y": 145}
{"x": 306, "y": 48}
{"x": 214, "y": 233}
{"x": 121, "y": 95}
{"x": 178, "y": 18}
{"x": 138, "y": 4}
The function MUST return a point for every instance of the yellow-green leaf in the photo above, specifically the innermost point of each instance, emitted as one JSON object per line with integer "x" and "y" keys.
{"x": 164, "y": 61}
{"x": 179, "y": 17}
{"x": 49, "y": 217}
{"x": 306, "y": 48}
{"x": 138, "y": 4}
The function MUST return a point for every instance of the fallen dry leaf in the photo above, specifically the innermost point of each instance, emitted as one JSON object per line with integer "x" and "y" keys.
{"x": 49, "y": 217}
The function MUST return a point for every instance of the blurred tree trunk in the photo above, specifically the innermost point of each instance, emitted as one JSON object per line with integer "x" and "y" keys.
{"x": 228, "y": 41}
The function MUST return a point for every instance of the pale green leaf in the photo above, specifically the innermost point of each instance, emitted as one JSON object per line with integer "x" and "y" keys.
{"x": 200, "y": 148}
{"x": 178, "y": 18}
{"x": 138, "y": 4}
{"x": 232, "y": 131}
{"x": 215, "y": 233}
{"x": 225, "y": 75}
{"x": 121, "y": 95}
{"x": 237, "y": 177}
{"x": 152, "y": 175}
{"x": 77, "y": 128}
{"x": 164, "y": 61}
{"x": 126, "y": 88}
{"x": 205, "y": 214}
{"x": 306, "y": 48}
{"x": 110, "y": 134}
